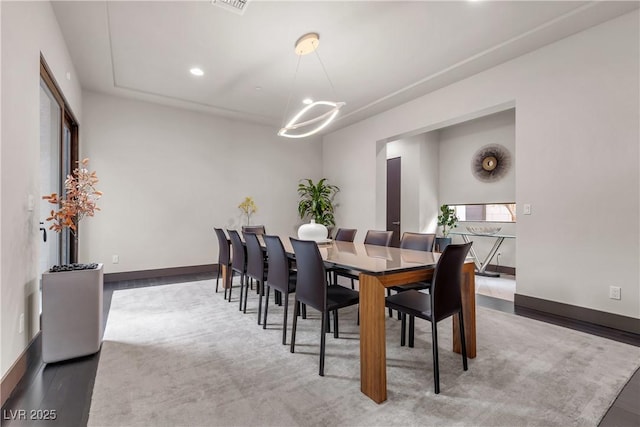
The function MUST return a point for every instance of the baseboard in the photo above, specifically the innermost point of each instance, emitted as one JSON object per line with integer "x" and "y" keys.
{"x": 502, "y": 269}
{"x": 161, "y": 272}
{"x": 602, "y": 318}
{"x": 30, "y": 355}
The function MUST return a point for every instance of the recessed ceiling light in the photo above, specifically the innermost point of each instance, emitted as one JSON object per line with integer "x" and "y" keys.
{"x": 307, "y": 101}
{"x": 196, "y": 71}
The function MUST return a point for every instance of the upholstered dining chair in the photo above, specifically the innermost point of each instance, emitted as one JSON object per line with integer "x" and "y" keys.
{"x": 417, "y": 242}
{"x": 239, "y": 263}
{"x": 256, "y": 269}
{"x": 224, "y": 256}
{"x": 444, "y": 300}
{"x": 342, "y": 235}
{"x": 345, "y": 234}
{"x": 255, "y": 229}
{"x": 312, "y": 290}
{"x": 280, "y": 277}
{"x": 373, "y": 237}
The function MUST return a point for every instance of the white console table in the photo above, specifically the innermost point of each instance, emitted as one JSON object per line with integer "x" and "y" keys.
{"x": 481, "y": 267}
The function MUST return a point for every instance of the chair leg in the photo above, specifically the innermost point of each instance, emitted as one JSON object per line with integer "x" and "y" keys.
{"x": 335, "y": 279}
{"x": 434, "y": 345}
{"x": 284, "y": 321}
{"x": 293, "y": 327}
{"x": 335, "y": 323}
{"x": 353, "y": 285}
{"x": 304, "y": 311}
{"x": 462, "y": 342}
{"x": 260, "y": 285}
{"x": 325, "y": 320}
{"x": 403, "y": 330}
{"x": 390, "y": 311}
{"x": 241, "y": 288}
{"x": 230, "y": 285}
{"x": 225, "y": 288}
{"x": 218, "y": 278}
{"x": 246, "y": 294}
{"x": 266, "y": 309}
{"x": 411, "y": 330}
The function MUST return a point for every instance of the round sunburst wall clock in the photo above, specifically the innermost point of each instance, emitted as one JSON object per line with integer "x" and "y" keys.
{"x": 491, "y": 163}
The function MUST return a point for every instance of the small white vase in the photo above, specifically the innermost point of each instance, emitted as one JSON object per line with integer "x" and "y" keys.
{"x": 313, "y": 231}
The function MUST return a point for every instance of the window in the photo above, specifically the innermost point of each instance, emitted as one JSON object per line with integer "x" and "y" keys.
{"x": 498, "y": 212}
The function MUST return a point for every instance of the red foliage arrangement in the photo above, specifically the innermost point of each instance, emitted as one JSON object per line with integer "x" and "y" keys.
{"x": 79, "y": 201}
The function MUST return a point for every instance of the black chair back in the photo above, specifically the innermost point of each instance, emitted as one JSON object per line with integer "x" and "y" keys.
{"x": 378, "y": 238}
{"x": 239, "y": 262}
{"x": 418, "y": 241}
{"x": 346, "y": 234}
{"x": 224, "y": 255}
{"x": 311, "y": 286}
{"x": 447, "y": 280}
{"x": 255, "y": 256}
{"x": 255, "y": 229}
{"x": 278, "y": 271}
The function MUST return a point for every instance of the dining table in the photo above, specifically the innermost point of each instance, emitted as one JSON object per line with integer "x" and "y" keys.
{"x": 381, "y": 267}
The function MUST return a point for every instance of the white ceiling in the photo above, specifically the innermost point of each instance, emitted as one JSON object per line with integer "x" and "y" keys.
{"x": 378, "y": 54}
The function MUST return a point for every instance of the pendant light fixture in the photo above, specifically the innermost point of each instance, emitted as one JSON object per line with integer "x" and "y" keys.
{"x": 306, "y": 44}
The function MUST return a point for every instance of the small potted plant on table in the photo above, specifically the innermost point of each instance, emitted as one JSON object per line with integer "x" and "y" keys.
{"x": 448, "y": 220}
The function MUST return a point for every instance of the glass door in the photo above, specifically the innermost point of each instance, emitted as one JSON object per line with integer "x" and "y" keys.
{"x": 50, "y": 181}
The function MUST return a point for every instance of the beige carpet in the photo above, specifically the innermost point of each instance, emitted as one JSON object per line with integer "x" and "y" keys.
{"x": 181, "y": 355}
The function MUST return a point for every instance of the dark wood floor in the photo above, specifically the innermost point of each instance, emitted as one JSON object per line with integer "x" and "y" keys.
{"x": 66, "y": 387}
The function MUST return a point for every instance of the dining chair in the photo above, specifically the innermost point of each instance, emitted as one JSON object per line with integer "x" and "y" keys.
{"x": 345, "y": 234}
{"x": 342, "y": 235}
{"x": 224, "y": 256}
{"x": 312, "y": 290}
{"x": 373, "y": 237}
{"x": 280, "y": 277}
{"x": 239, "y": 263}
{"x": 256, "y": 269}
{"x": 255, "y": 229}
{"x": 417, "y": 242}
{"x": 444, "y": 300}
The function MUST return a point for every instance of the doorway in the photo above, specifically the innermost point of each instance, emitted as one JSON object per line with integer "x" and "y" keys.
{"x": 394, "y": 186}
{"x": 58, "y": 155}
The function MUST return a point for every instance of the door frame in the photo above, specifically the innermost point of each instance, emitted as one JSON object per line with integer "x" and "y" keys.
{"x": 69, "y": 120}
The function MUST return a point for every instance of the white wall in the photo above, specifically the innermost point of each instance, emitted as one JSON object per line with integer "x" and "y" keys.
{"x": 577, "y": 132}
{"x": 457, "y": 185}
{"x": 170, "y": 175}
{"x": 28, "y": 28}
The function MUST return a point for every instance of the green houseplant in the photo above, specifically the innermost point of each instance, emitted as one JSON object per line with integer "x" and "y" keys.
{"x": 316, "y": 201}
{"x": 448, "y": 220}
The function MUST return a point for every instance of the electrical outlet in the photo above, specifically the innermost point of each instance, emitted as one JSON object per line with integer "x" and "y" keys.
{"x": 115, "y": 259}
{"x": 526, "y": 209}
{"x": 614, "y": 292}
{"x": 21, "y": 324}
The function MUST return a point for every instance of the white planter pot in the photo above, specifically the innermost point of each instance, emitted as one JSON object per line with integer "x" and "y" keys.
{"x": 313, "y": 231}
{"x": 71, "y": 314}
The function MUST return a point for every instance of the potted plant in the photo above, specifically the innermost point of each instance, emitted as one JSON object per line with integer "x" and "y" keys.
{"x": 248, "y": 207}
{"x": 448, "y": 220}
{"x": 316, "y": 202}
{"x": 72, "y": 294}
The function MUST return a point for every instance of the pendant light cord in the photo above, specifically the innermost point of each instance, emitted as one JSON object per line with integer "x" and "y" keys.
{"x": 327, "y": 75}
{"x": 293, "y": 86}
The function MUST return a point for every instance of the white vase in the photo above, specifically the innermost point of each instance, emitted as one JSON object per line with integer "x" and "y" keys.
{"x": 313, "y": 231}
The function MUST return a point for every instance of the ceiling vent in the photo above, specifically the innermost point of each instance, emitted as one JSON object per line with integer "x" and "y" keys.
{"x": 235, "y": 6}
